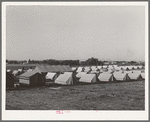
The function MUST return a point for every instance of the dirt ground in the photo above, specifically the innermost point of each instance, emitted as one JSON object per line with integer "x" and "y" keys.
{"x": 104, "y": 96}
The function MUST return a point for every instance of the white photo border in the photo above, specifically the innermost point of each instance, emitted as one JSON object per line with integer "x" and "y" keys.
{"x": 74, "y": 114}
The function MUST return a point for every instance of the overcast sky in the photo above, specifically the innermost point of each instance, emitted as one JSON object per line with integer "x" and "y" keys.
{"x": 75, "y": 32}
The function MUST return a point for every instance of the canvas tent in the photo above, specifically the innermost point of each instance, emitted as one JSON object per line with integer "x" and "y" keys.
{"x": 99, "y": 67}
{"x": 73, "y": 68}
{"x": 80, "y": 74}
{"x": 135, "y": 76}
{"x": 121, "y": 76}
{"x": 117, "y": 68}
{"x": 88, "y": 78}
{"x": 16, "y": 73}
{"x": 64, "y": 79}
{"x": 87, "y": 68}
{"x": 96, "y": 69}
{"x": 115, "y": 65}
{"x": 51, "y": 76}
{"x": 29, "y": 70}
{"x": 93, "y": 72}
{"x": 105, "y": 66}
{"x": 104, "y": 70}
{"x": 31, "y": 78}
{"x": 9, "y": 70}
{"x": 106, "y": 77}
{"x": 53, "y": 68}
{"x": 20, "y": 70}
{"x": 135, "y": 67}
{"x": 110, "y": 71}
{"x": 80, "y": 69}
{"x": 137, "y": 71}
{"x": 127, "y": 72}
{"x": 129, "y": 67}
{"x": 93, "y": 67}
{"x": 140, "y": 67}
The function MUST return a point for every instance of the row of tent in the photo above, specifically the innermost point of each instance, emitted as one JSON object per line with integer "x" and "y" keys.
{"x": 116, "y": 76}
{"x": 106, "y": 67}
{"x": 67, "y": 77}
{"x": 63, "y": 68}
{"x": 62, "y": 74}
{"x": 42, "y": 69}
{"x": 35, "y": 78}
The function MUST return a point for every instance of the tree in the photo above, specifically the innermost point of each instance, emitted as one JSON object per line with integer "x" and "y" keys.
{"x": 92, "y": 61}
{"x": 29, "y": 61}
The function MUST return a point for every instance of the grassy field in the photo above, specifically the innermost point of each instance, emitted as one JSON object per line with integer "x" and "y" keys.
{"x": 106, "y": 96}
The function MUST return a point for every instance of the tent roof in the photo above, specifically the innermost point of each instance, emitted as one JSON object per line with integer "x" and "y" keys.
{"x": 28, "y": 74}
{"x": 99, "y": 67}
{"x": 53, "y": 68}
{"x": 87, "y": 77}
{"x": 104, "y": 76}
{"x": 134, "y": 75}
{"x": 50, "y": 75}
{"x": 80, "y": 74}
{"x": 73, "y": 68}
{"x": 63, "y": 77}
{"x": 68, "y": 73}
{"x": 119, "y": 75}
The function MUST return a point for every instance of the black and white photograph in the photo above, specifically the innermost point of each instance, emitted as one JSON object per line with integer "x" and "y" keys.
{"x": 75, "y": 60}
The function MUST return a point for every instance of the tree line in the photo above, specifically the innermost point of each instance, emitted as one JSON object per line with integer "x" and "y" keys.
{"x": 90, "y": 61}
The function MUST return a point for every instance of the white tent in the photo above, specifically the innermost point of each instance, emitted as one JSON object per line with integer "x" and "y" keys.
{"x": 79, "y": 69}
{"x": 135, "y": 76}
{"x": 115, "y": 65}
{"x": 104, "y": 66}
{"x": 96, "y": 69}
{"x": 51, "y": 76}
{"x": 93, "y": 68}
{"x": 117, "y": 68}
{"x": 9, "y": 70}
{"x": 73, "y": 68}
{"x": 143, "y": 75}
{"x": 123, "y": 67}
{"x": 110, "y": 68}
{"x": 87, "y": 67}
{"x": 121, "y": 76}
{"x": 137, "y": 71}
{"x": 129, "y": 67}
{"x": 16, "y": 73}
{"x": 86, "y": 70}
{"x": 107, "y": 77}
{"x": 64, "y": 79}
{"x": 68, "y": 73}
{"x": 140, "y": 66}
{"x": 127, "y": 72}
{"x": 80, "y": 74}
{"x": 20, "y": 70}
{"x": 88, "y": 78}
{"x": 92, "y": 72}
{"x": 135, "y": 67}
{"x": 104, "y": 70}
{"x": 110, "y": 71}
{"x": 99, "y": 67}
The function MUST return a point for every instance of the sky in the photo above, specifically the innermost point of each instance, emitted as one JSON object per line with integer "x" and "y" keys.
{"x": 75, "y": 32}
